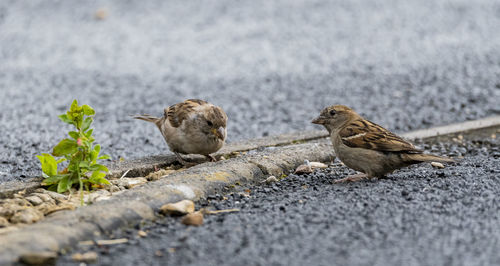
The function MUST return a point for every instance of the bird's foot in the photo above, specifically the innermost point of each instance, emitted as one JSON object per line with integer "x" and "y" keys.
{"x": 184, "y": 162}
{"x": 211, "y": 158}
{"x": 352, "y": 178}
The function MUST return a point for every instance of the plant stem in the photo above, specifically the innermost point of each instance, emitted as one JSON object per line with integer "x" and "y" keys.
{"x": 81, "y": 189}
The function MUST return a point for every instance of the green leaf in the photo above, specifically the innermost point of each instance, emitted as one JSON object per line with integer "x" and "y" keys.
{"x": 97, "y": 167}
{"x": 103, "y": 180}
{"x": 93, "y": 156}
{"x": 66, "y": 119}
{"x": 84, "y": 164}
{"x": 74, "y": 106}
{"x": 53, "y": 179}
{"x": 104, "y": 157}
{"x": 88, "y": 133}
{"x": 98, "y": 178}
{"x": 60, "y": 160}
{"x": 87, "y": 110}
{"x": 86, "y": 123}
{"x": 79, "y": 120}
{"x": 74, "y": 134}
{"x": 49, "y": 164}
{"x": 66, "y": 146}
{"x": 97, "y": 148}
{"x": 63, "y": 184}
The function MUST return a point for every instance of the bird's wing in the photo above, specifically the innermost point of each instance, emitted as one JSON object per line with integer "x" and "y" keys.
{"x": 181, "y": 111}
{"x": 368, "y": 135}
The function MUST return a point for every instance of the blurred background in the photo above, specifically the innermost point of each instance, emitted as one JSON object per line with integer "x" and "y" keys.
{"x": 272, "y": 65}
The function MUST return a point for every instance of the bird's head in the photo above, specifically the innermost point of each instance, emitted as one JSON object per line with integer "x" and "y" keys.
{"x": 334, "y": 117}
{"x": 213, "y": 122}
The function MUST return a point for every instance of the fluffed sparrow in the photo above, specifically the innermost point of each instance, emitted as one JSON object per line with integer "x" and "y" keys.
{"x": 191, "y": 127}
{"x": 367, "y": 147}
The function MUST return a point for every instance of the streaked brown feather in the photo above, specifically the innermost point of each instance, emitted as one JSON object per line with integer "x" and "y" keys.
{"x": 368, "y": 135}
{"x": 180, "y": 111}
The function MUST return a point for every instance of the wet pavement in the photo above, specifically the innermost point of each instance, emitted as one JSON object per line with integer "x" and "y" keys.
{"x": 417, "y": 216}
{"x": 271, "y": 65}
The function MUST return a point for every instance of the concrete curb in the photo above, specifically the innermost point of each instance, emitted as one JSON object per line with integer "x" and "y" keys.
{"x": 455, "y": 128}
{"x": 65, "y": 228}
{"x": 146, "y": 165}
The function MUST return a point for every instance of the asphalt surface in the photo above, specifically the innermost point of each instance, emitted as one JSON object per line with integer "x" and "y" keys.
{"x": 271, "y": 65}
{"x": 416, "y": 216}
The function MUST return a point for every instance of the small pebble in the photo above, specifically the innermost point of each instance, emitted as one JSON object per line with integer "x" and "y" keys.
{"x": 101, "y": 13}
{"x": 142, "y": 233}
{"x": 39, "y": 258}
{"x": 88, "y": 257}
{"x": 303, "y": 169}
{"x": 315, "y": 165}
{"x": 195, "y": 218}
{"x": 270, "y": 180}
{"x": 437, "y": 165}
{"x": 179, "y": 208}
{"x": 35, "y": 200}
{"x": 27, "y": 216}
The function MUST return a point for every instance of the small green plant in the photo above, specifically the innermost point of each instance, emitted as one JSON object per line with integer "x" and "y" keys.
{"x": 78, "y": 151}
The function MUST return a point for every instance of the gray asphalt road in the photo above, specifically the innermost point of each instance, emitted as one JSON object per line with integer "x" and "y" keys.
{"x": 272, "y": 65}
{"x": 417, "y": 216}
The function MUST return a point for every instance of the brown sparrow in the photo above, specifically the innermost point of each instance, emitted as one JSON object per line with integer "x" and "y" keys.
{"x": 191, "y": 127}
{"x": 367, "y": 147}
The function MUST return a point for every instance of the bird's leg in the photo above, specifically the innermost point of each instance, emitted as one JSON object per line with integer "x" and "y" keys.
{"x": 352, "y": 178}
{"x": 182, "y": 161}
{"x": 211, "y": 158}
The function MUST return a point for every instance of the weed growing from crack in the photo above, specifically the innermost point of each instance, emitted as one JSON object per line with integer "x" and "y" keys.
{"x": 80, "y": 153}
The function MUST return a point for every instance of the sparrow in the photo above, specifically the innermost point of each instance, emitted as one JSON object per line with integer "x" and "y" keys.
{"x": 191, "y": 127}
{"x": 367, "y": 147}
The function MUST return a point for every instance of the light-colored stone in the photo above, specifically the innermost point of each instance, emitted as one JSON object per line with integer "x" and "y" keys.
{"x": 3, "y": 222}
{"x": 96, "y": 196}
{"x": 48, "y": 208}
{"x": 114, "y": 188}
{"x": 27, "y": 216}
{"x": 195, "y": 218}
{"x": 21, "y": 202}
{"x": 57, "y": 196}
{"x": 35, "y": 200}
{"x": 129, "y": 182}
{"x": 39, "y": 258}
{"x": 315, "y": 165}
{"x": 303, "y": 169}
{"x": 179, "y": 208}
{"x": 88, "y": 257}
{"x": 142, "y": 233}
{"x": 101, "y": 13}
{"x": 159, "y": 174}
{"x": 8, "y": 208}
{"x": 44, "y": 197}
{"x": 270, "y": 180}
{"x": 437, "y": 165}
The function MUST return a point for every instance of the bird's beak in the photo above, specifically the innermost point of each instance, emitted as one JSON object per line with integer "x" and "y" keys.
{"x": 319, "y": 120}
{"x": 219, "y": 133}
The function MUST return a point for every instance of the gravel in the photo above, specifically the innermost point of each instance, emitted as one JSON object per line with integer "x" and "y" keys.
{"x": 271, "y": 65}
{"x": 417, "y": 216}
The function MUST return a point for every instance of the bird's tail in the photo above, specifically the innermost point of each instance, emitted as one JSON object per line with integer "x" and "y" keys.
{"x": 422, "y": 157}
{"x": 149, "y": 118}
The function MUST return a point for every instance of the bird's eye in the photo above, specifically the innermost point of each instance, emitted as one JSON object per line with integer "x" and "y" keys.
{"x": 210, "y": 123}
{"x": 332, "y": 112}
